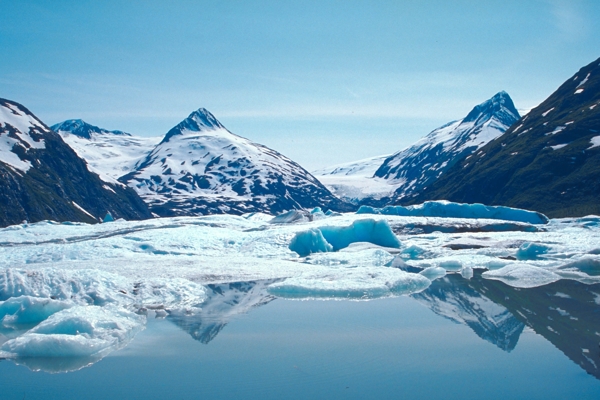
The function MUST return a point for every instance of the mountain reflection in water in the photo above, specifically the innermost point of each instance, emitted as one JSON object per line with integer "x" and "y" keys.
{"x": 566, "y": 313}
{"x": 223, "y": 302}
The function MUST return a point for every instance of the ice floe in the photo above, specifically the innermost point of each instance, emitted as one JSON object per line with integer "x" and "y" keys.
{"x": 56, "y": 278}
{"x": 459, "y": 210}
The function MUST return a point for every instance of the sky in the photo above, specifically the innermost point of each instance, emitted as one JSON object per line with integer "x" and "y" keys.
{"x": 323, "y": 82}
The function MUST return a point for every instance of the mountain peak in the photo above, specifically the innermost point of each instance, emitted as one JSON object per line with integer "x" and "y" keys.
{"x": 200, "y": 120}
{"x": 79, "y": 127}
{"x": 499, "y": 106}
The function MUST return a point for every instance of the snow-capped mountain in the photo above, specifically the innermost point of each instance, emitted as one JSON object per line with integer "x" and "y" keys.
{"x": 110, "y": 154}
{"x": 354, "y": 181}
{"x": 548, "y": 161}
{"x": 413, "y": 169}
{"x": 43, "y": 178}
{"x": 201, "y": 168}
{"x": 389, "y": 179}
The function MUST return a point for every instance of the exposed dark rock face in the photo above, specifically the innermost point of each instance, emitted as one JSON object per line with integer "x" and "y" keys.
{"x": 548, "y": 161}
{"x": 43, "y": 178}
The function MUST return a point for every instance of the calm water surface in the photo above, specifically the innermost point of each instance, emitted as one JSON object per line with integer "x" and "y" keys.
{"x": 460, "y": 339}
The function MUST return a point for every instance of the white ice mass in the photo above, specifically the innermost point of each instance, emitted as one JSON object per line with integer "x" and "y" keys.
{"x": 79, "y": 290}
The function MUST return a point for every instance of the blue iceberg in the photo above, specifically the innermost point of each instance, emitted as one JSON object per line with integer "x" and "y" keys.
{"x": 334, "y": 238}
{"x": 447, "y": 209}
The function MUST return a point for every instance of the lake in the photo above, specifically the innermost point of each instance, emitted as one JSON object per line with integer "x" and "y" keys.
{"x": 463, "y": 339}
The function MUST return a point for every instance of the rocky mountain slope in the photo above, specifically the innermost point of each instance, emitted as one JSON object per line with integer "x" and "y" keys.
{"x": 383, "y": 180}
{"x": 201, "y": 168}
{"x": 43, "y": 178}
{"x": 549, "y": 161}
{"x": 413, "y": 169}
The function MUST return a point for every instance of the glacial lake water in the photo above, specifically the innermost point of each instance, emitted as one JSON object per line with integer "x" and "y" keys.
{"x": 459, "y": 339}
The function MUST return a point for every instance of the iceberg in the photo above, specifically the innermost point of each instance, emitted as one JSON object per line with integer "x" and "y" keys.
{"x": 531, "y": 251}
{"x": 447, "y": 209}
{"x": 433, "y": 273}
{"x": 334, "y": 238}
{"x": 80, "y": 331}
{"x": 522, "y": 275}
{"x": 24, "y": 310}
{"x": 351, "y": 283}
{"x": 308, "y": 242}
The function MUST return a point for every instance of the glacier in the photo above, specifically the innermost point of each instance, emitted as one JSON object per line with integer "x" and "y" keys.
{"x": 81, "y": 291}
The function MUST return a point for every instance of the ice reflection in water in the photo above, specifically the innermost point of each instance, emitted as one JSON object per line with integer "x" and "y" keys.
{"x": 566, "y": 313}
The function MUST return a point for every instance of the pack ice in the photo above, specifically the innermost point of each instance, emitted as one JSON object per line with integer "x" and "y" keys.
{"x": 77, "y": 292}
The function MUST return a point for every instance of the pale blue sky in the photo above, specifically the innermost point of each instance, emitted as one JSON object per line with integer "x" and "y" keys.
{"x": 323, "y": 82}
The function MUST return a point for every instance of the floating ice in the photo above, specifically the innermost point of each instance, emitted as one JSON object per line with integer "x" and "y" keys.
{"x": 77, "y": 332}
{"x": 531, "y": 251}
{"x": 354, "y": 255}
{"x": 24, "y": 310}
{"x": 311, "y": 241}
{"x": 100, "y": 288}
{"x": 466, "y": 272}
{"x": 351, "y": 283}
{"x": 334, "y": 238}
{"x": 366, "y": 230}
{"x": 164, "y": 264}
{"x": 433, "y": 273}
{"x": 412, "y": 252}
{"x": 448, "y": 209}
{"x": 289, "y": 217}
{"x": 451, "y": 265}
{"x": 108, "y": 217}
{"x": 82, "y": 286}
{"x": 522, "y": 275}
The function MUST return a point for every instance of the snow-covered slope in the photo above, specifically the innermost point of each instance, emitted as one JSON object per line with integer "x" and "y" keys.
{"x": 43, "y": 178}
{"x": 20, "y": 131}
{"x": 111, "y": 154}
{"x": 416, "y": 167}
{"x": 547, "y": 161}
{"x": 354, "y": 181}
{"x": 202, "y": 168}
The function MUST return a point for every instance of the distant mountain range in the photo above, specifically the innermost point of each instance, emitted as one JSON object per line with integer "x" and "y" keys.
{"x": 548, "y": 161}
{"x": 386, "y": 180}
{"x": 43, "y": 178}
{"x": 198, "y": 168}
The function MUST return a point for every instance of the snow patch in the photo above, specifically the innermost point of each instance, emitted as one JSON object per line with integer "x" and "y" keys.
{"x": 547, "y": 112}
{"x": 595, "y": 141}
